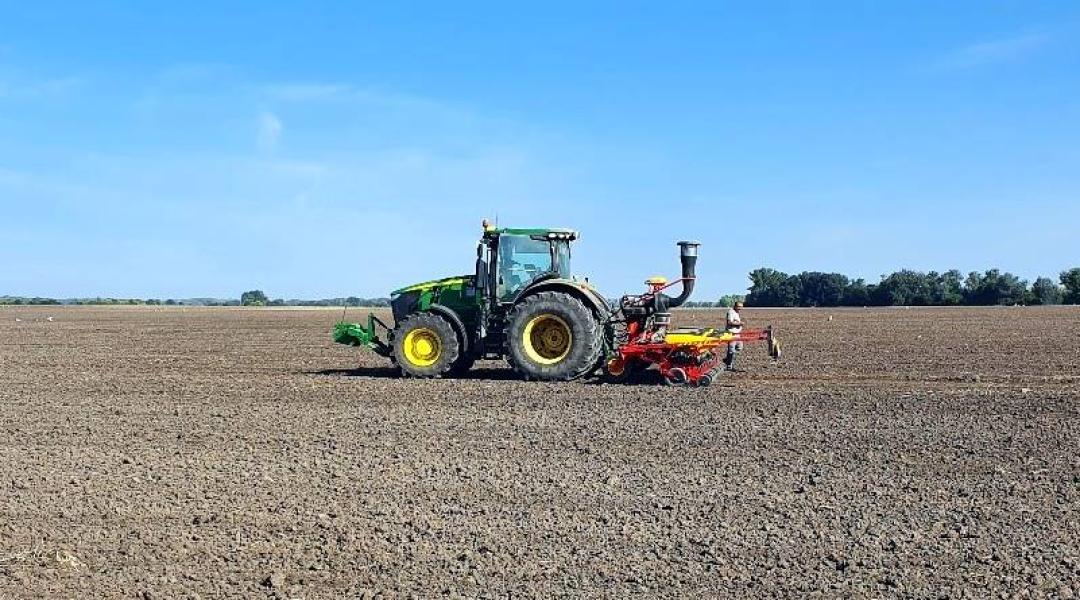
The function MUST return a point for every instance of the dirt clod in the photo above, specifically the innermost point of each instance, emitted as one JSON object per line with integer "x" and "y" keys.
{"x": 275, "y": 580}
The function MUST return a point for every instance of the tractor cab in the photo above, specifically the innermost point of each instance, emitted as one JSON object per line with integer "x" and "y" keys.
{"x": 510, "y": 260}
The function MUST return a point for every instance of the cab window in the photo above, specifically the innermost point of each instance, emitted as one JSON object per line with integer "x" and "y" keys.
{"x": 521, "y": 259}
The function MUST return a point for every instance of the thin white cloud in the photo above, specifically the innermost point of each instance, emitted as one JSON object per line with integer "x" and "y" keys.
{"x": 995, "y": 51}
{"x": 269, "y": 133}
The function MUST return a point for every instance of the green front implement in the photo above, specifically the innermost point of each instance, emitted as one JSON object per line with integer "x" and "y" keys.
{"x": 355, "y": 334}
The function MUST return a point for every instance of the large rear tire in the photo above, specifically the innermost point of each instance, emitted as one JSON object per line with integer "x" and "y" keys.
{"x": 425, "y": 345}
{"x": 552, "y": 336}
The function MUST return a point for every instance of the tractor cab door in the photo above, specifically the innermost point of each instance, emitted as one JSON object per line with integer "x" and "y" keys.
{"x": 522, "y": 259}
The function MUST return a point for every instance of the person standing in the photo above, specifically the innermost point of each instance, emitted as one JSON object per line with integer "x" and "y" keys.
{"x": 734, "y": 325}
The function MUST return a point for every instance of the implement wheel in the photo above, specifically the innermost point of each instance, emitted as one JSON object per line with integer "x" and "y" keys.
{"x": 676, "y": 376}
{"x": 425, "y": 345}
{"x": 552, "y": 336}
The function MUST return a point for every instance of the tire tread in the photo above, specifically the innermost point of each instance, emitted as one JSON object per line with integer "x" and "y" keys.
{"x": 588, "y": 359}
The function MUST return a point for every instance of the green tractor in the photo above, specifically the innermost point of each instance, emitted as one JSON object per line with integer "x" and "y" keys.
{"x": 521, "y": 303}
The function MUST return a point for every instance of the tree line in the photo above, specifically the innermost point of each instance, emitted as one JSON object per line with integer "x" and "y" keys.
{"x": 245, "y": 300}
{"x": 259, "y": 298}
{"x": 770, "y": 287}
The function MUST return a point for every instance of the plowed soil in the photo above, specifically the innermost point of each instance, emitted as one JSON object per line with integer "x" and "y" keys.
{"x": 173, "y": 453}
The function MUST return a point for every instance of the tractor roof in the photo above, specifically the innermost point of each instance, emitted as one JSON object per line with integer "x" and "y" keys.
{"x": 569, "y": 233}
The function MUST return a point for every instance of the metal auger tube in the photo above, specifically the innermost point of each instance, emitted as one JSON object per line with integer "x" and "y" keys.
{"x": 688, "y": 253}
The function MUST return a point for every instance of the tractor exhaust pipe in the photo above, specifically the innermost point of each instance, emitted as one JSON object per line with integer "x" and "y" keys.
{"x": 688, "y": 252}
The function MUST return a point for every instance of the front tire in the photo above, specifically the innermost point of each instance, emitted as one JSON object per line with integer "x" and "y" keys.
{"x": 425, "y": 345}
{"x": 552, "y": 336}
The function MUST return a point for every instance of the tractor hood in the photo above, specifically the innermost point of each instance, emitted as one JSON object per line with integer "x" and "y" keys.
{"x": 447, "y": 282}
{"x": 457, "y": 294}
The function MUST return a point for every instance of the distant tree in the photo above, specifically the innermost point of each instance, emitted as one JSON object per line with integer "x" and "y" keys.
{"x": 729, "y": 300}
{"x": 254, "y": 298}
{"x": 1045, "y": 291}
{"x": 821, "y": 289}
{"x": 972, "y": 284}
{"x": 948, "y": 288}
{"x": 857, "y": 293}
{"x": 994, "y": 287}
{"x": 769, "y": 287}
{"x": 170, "y": 302}
{"x": 1008, "y": 288}
{"x": 352, "y": 301}
{"x": 904, "y": 288}
{"x": 1071, "y": 280}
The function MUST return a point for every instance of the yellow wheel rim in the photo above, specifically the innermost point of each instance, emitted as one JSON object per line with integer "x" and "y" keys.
{"x": 422, "y": 347}
{"x": 547, "y": 339}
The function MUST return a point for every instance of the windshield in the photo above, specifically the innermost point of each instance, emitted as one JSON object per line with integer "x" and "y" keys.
{"x": 523, "y": 259}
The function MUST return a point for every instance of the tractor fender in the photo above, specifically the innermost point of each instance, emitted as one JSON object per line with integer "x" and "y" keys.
{"x": 456, "y": 322}
{"x": 579, "y": 290}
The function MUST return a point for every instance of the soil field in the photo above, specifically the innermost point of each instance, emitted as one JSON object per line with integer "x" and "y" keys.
{"x": 175, "y": 453}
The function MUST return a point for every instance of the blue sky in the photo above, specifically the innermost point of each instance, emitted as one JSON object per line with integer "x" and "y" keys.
{"x": 326, "y": 149}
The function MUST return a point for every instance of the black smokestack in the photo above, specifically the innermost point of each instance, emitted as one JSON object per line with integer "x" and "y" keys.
{"x": 688, "y": 252}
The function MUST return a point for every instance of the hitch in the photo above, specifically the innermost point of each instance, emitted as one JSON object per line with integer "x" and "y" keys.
{"x": 356, "y": 334}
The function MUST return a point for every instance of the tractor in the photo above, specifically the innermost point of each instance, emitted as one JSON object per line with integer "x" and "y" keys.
{"x": 521, "y": 303}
